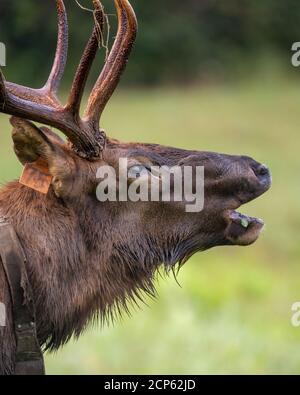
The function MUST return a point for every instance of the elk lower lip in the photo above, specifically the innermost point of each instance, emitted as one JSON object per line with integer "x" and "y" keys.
{"x": 241, "y": 229}
{"x": 244, "y": 220}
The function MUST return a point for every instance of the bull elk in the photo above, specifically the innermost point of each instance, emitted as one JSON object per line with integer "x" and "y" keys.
{"x": 85, "y": 258}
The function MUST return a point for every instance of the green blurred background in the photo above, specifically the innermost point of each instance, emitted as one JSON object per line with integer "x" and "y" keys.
{"x": 211, "y": 75}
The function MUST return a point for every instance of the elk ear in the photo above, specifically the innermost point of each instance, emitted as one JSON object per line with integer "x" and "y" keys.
{"x": 40, "y": 150}
{"x": 32, "y": 143}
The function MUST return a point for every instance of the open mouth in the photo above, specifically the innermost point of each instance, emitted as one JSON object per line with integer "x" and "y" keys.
{"x": 242, "y": 229}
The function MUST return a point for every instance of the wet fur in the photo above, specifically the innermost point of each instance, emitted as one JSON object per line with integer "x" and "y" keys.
{"x": 88, "y": 260}
{"x": 76, "y": 274}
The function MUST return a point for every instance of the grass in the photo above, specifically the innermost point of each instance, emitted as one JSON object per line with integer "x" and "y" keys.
{"x": 233, "y": 312}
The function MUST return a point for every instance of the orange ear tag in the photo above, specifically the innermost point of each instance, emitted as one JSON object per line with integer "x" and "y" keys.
{"x": 36, "y": 176}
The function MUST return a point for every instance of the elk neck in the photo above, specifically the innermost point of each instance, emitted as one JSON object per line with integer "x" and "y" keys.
{"x": 63, "y": 260}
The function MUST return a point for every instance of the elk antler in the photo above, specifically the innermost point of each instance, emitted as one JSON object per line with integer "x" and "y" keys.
{"x": 42, "y": 105}
{"x": 115, "y": 64}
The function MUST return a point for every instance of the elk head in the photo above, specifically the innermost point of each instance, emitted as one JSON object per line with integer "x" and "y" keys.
{"x": 144, "y": 233}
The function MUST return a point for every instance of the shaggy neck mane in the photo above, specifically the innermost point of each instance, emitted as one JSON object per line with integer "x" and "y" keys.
{"x": 75, "y": 270}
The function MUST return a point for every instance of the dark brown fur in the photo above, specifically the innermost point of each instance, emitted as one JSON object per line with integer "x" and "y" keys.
{"x": 87, "y": 259}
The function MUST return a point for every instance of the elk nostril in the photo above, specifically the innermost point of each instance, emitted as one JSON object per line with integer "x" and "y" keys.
{"x": 263, "y": 170}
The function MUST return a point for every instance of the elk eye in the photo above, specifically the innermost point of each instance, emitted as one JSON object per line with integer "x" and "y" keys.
{"x": 138, "y": 171}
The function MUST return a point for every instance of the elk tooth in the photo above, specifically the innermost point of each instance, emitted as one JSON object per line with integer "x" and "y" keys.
{"x": 244, "y": 223}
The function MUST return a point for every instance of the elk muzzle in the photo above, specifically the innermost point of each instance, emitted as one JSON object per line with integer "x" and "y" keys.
{"x": 242, "y": 229}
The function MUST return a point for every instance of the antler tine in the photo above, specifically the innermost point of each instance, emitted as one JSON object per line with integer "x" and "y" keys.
{"x": 47, "y": 94}
{"x": 86, "y": 61}
{"x": 14, "y": 105}
{"x": 60, "y": 60}
{"x": 115, "y": 64}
